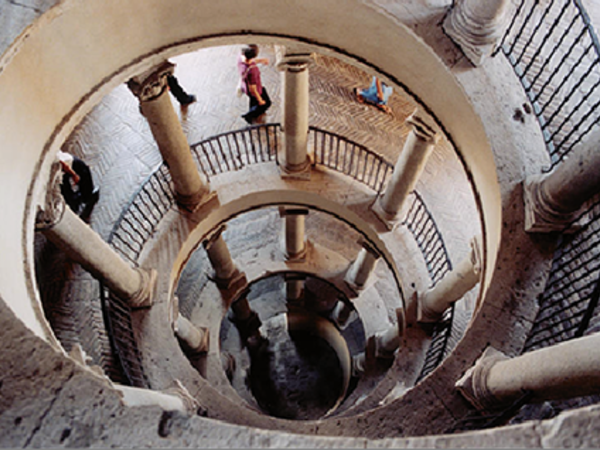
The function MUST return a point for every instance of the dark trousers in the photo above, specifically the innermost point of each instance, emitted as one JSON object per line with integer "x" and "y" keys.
{"x": 83, "y": 192}
{"x": 182, "y": 97}
{"x": 255, "y": 109}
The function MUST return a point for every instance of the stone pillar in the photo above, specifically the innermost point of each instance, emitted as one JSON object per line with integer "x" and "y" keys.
{"x": 409, "y": 166}
{"x": 246, "y": 320}
{"x": 294, "y": 245}
{"x": 83, "y": 245}
{"x": 388, "y": 341}
{"x": 151, "y": 88}
{"x": 195, "y": 339}
{"x": 294, "y": 66}
{"x": 553, "y": 200}
{"x": 566, "y": 370}
{"x": 360, "y": 270}
{"x": 176, "y": 398}
{"x": 226, "y": 272}
{"x": 294, "y": 288}
{"x": 343, "y": 314}
{"x": 477, "y": 26}
{"x": 456, "y": 283}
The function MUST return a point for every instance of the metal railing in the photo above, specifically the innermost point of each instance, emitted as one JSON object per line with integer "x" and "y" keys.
{"x": 117, "y": 320}
{"x": 233, "y": 151}
{"x": 429, "y": 239}
{"x": 569, "y": 303}
{"x": 237, "y": 149}
{"x": 555, "y": 53}
{"x": 134, "y": 227}
{"x": 343, "y": 155}
{"x": 140, "y": 218}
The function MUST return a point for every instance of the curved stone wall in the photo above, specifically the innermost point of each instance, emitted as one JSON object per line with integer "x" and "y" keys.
{"x": 39, "y": 70}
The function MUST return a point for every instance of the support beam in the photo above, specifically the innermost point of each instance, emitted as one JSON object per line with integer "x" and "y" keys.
{"x": 294, "y": 232}
{"x": 566, "y": 370}
{"x": 296, "y": 163}
{"x": 191, "y": 187}
{"x": 84, "y": 246}
{"x": 409, "y": 166}
{"x": 456, "y": 283}
{"x": 477, "y": 26}
{"x": 553, "y": 200}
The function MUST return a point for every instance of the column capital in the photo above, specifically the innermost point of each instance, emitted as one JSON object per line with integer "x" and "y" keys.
{"x": 292, "y": 211}
{"x": 473, "y": 384}
{"x": 54, "y": 206}
{"x": 423, "y": 126}
{"x": 152, "y": 83}
{"x": 294, "y": 62}
{"x": 144, "y": 297}
{"x": 369, "y": 248}
{"x": 213, "y": 236}
{"x": 190, "y": 404}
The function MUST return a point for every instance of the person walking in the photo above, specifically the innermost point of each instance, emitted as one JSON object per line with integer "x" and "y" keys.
{"x": 178, "y": 92}
{"x": 251, "y": 83}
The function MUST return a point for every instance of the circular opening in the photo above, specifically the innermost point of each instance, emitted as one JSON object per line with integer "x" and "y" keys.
{"x": 283, "y": 351}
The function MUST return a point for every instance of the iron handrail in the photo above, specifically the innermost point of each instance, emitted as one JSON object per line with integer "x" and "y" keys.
{"x": 555, "y": 53}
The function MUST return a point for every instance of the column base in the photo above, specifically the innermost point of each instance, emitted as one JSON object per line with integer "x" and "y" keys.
{"x": 194, "y": 202}
{"x": 426, "y": 315}
{"x": 389, "y": 220}
{"x": 144, "y": 297}
{"x": 356, "y": 288}
{"x": 476, "y": 47}
{"x": 473, "y": 384}
{"x": 541, "y": 217}
{"x": 296, "y": 172}
{"x": 381, "y": 351}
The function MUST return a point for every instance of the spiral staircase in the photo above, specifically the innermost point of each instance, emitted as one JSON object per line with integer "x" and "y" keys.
{"x": 79, "y": 361}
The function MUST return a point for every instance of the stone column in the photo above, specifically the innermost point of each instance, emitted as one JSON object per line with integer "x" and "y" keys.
{"x": 566, "y": 370}
{"x": 553, "y": 200}
{"x": 409, "y": 166}
{"x": 343, "y": 314}
{"x": 477, "y": 26}
{"x": 388, "y": 341}
{"x": 456, "y": 283}
{"x": 294, "y": 288}
{"x": 360, "y": 270}
{"x": 246, "y": 320}
{"x": 176, "y": 398}
{"x": 83, "y": 245}
{"x": 226, "y": 272}
{"x": 151, "y": 88}
{"x": 294, "y": 66}
{"x": 196, "y": 339}
{"x": 294, "y": 245}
